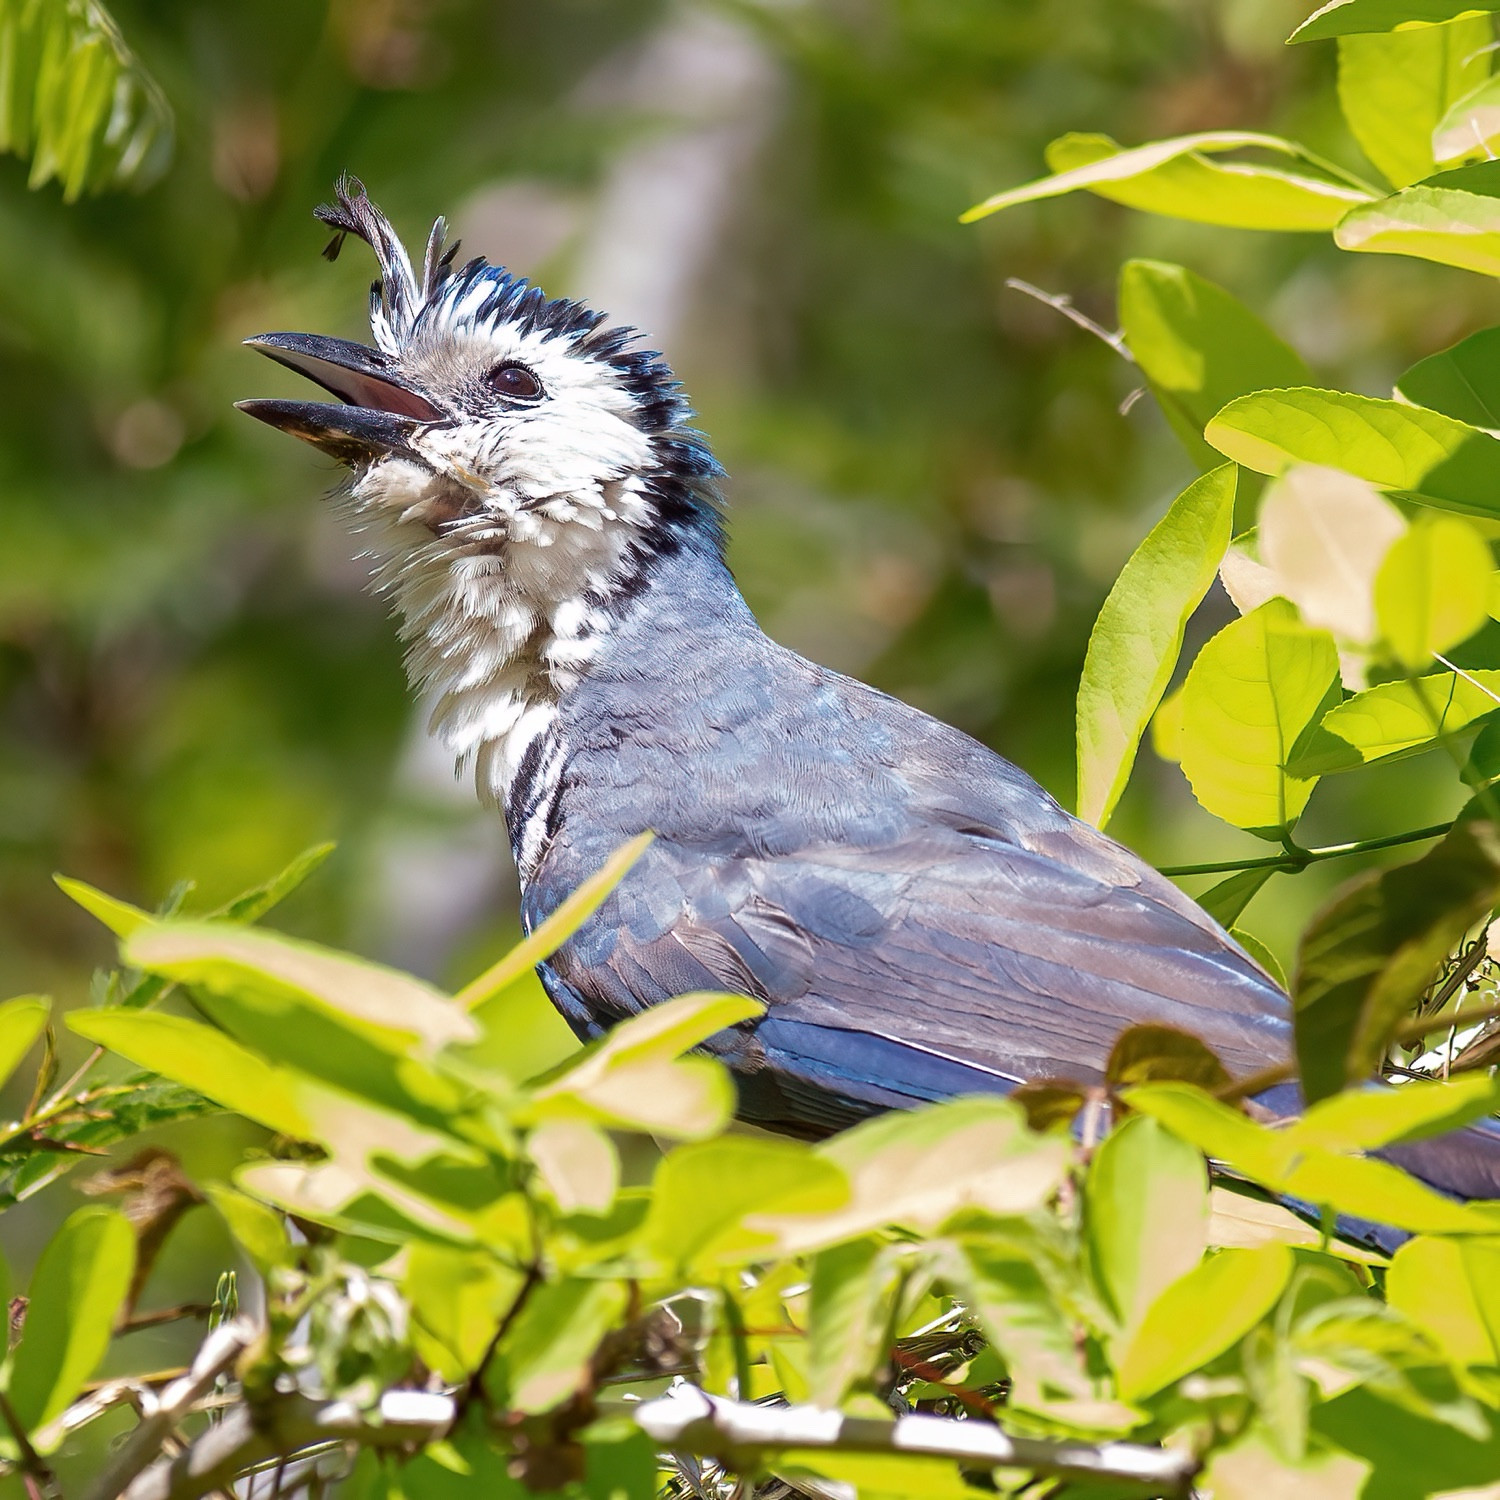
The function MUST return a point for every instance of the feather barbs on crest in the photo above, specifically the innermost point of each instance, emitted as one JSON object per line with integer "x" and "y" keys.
{"x": 396, "y": 298}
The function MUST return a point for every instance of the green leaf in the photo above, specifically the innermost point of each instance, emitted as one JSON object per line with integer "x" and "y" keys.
{"x": 76, "y": 1291}
{"x": 1181, "y": 178}
{"x": 1278, "y": 1161}
{"x": 1260, "y": 953}
{"x": 1020, "y": 1315}
{"x": 1469, "y": 127}
{"x": 1146, "y": 1214}
{"x": 1348, "y": 17}
{"x": 1253, "y": 691}
{"x": 1482, "y": 768}
{"x": 1436, "y": 220}
{"x": 850, "y": 1310}
{"x": 702, "y": 1195}
{"x": 257, "y": 1230}
{"x": 458, "y": 1298}
{"x": 282, "y": 977}
{"x": 1371, "y": 951}
{"x": 577, "y": 1163}
{"x": 1198, "y": 347}
{"x": 1396, "y": 719}
{"x": 1322, "y": 536}
{"x": 1365, "y": 1119}
{"x": 1462, "y": 382}
{"x": 1256, "y": 1465}
{"x": 21, "y": 1022}
{"x": 1225, "y": 901}
{"x": 1451, "y": 1289}
{"x": 545, "y": 1357}
{"x": 1403, "y": 449}
{"x": 1432, "y": 590}
{"x": 637, "y": 1078}
{"x": 557, "y": 929}
{"x": 200, "y": 1057}
{"x": 1202, "y": 1314}
{"x": 919, "y": 1169}
{"x": 1144, "y": 1053}
{"x": 75, "y": 98}
{"x": 119, "y": 916}
{"x": 253, "y": 904}
{"x": 1395, "y": 87}
{"x": 1135, "y": 642}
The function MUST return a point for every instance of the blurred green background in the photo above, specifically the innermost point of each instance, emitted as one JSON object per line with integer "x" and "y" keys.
{"x": 932, "y": 481}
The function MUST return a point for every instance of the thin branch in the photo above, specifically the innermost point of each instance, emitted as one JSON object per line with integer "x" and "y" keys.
{"x": 1063, "y": 303}
{"x": 218, "y": 1353}
{"x": 1299, "y": 859}
{"x": 742, "y": 1434}
{"x": 282, "y": 1427}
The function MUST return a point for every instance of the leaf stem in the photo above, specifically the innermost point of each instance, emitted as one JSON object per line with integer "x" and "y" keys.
{"x": 1301, "y": 858}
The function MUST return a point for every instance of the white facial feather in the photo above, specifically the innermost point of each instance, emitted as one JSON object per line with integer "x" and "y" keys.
{"x": 499, "y": 544}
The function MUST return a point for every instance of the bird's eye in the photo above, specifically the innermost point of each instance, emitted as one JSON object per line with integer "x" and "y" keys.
{"x": 514, "y": 381}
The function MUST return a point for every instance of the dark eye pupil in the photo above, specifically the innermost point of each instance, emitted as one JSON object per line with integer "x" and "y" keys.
{"x": 514, "y": 380}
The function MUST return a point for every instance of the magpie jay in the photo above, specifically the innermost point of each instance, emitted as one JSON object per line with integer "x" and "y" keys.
{"x": 920, "y": 917}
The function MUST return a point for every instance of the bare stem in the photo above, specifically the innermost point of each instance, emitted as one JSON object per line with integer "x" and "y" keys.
{"x": 1299, "y": 859}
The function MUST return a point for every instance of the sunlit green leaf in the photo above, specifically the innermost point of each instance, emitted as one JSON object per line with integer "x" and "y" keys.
{"x": 458, "y": 1298}
{"x": 1363, "y": 1119}
{"x": 637, "y": 1077}
{"x": 1396, "y": 719}
{"x": 1146, "y": 1212}
{"x": 1469, "y": 127}
{"x": 1135, "y": 642}
{"x": 1404, "y": 449}
{"x": 1394, "y": 88}
{"x": 1256, "y": 1466}
{"x": 702, "y": 1194}
{"x": 285, "y": 977}
{"x": 259, "y": 1232}
{"x": 120, "y": 917}
{"x": 850, "y": 1310}
{"x": 1016, "y": 1307}
{"x": 545, "y": 1357}
{"x": 1451, "y": 1288}
{"x": 1322, "y": 535}
{"x": 1349, "y": 1184}
{"x": 1225, "y": 901}
{"x": 919, "y": 1169}
{"x": 253, "y": 904}
{"x": 1182, "y": 178}
{"x": 200, "y": 1057}
{"x": 76, "y": 100}
{"x": 1371, "y": 951}
{"x": 1202, "y": 1314}
{"x": 1198, "y": 347}
{"x": 21, "y": 1023}
{"x": 1253, "y": 690}
{"x": 1432, "y": 589}
{"x": 557, "y": 929}
{"x": 78, "y": 1286}
{"x": 1461, "y": 382}
{"x": 1348, "y": 17}
{"x": 578, "y": 1164}
{"x": 1452, "y": 218}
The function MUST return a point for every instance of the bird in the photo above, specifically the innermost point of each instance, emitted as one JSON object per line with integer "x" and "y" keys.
{"x": 919, "y": 917}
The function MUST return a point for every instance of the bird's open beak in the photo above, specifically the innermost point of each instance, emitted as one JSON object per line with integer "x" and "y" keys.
{"x": 379, "y": 412}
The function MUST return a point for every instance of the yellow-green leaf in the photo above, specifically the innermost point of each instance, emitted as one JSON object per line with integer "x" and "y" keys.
{"x": 1182, "y": 178}
{"x": 1135, "y": 641}
{"x": 1432, "y": 590}
{"x": 21, "y": 1023}
{"x": 1254, "y": 689}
